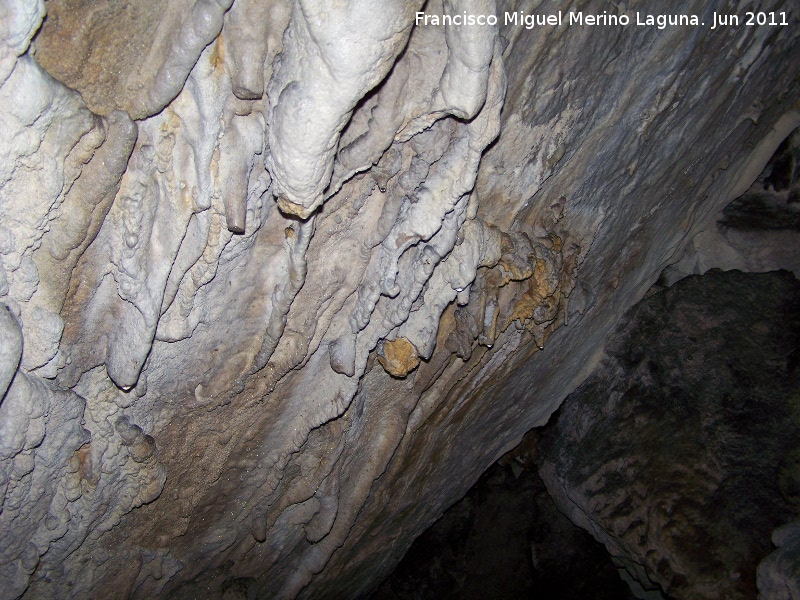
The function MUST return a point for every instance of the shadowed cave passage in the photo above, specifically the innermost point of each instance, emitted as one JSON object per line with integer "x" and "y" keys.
{"x": 681, "y": 452}
{"x": 506, "y": 539}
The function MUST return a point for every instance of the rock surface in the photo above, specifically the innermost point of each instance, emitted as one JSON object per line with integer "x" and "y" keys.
{"x": 212, "y": 262}
{"x": 506, "y": 539}
{"x": 680, "y": 453}
{"x": 779, "y": 573}
{"x": 759, "y": 231}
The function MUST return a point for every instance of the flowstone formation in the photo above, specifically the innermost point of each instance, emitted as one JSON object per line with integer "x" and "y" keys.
{"x": 283, "y": 278}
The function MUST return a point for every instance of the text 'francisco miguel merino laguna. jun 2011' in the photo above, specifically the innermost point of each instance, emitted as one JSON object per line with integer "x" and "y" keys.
{"x": 661, "y": 21}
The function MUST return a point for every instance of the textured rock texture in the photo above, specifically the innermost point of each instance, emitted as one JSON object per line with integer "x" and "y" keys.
{"x": 301, "y": 270}
{"x": 779, "y": 573}
{"x": 757, "y": 232}
{"x": 680, "y": 453}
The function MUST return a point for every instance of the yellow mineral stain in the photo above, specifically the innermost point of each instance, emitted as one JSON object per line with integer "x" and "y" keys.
{"x": 218, "y": 54}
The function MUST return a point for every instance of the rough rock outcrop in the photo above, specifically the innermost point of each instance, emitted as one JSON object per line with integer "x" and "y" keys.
{"x": 270, "y": 201}
{"x": 759, "y": 231}
{"x": 680, "y": 452}
{"x": 506, "y": 539}
{"x": 779, "y": 573}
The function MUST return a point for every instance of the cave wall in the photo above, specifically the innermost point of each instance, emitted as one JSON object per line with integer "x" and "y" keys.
{"x": 680, "y": 452}
{"x": 282, "y": 279}
{"x": 506, "y": 539}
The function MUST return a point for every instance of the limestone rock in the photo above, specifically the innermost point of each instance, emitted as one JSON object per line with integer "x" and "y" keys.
{"x": 779, "y": 573}
{"x": 130, "y": 56}
{"x": 398, "y": 357}
{"x": 676, "y": 452}
{"x": 213, "y": 213}
{"x": 506, "y": 539}
{"x": 759, "y": 231}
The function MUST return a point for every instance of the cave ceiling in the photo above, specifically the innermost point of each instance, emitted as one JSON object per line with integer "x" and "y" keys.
{"x": 280, "y": 279}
